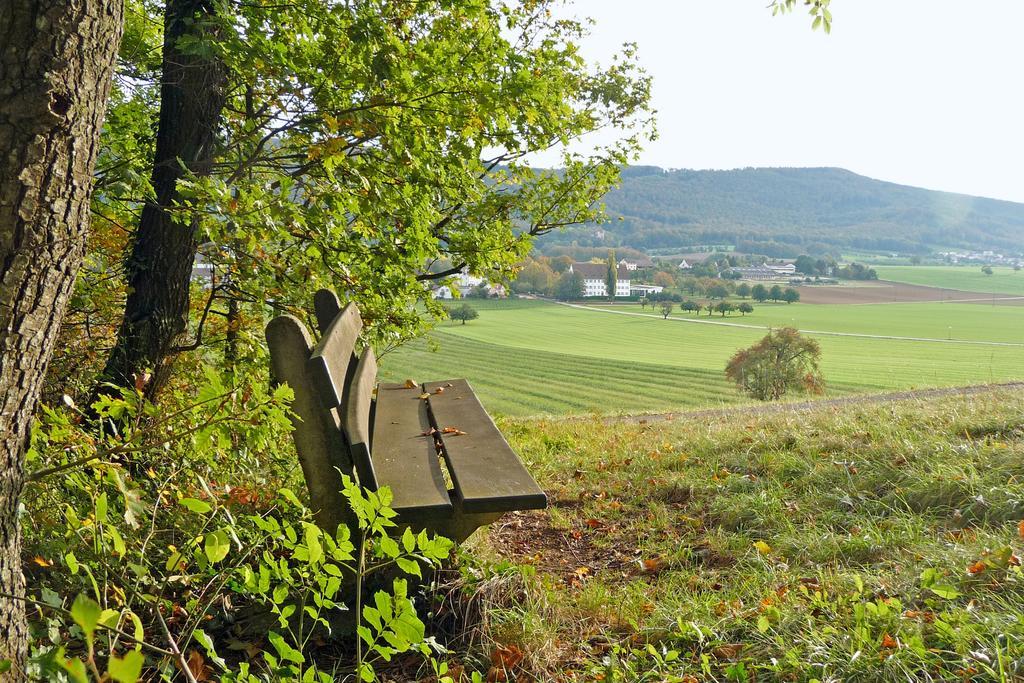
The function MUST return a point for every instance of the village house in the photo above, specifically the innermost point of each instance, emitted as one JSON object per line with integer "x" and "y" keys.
{"x": 633, "y": 264}
{"x": 594, "y": 274}
{"x": 466, "y": 284}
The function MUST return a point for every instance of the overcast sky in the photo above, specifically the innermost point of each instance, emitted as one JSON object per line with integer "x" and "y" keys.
{"x": 921, "y": 92}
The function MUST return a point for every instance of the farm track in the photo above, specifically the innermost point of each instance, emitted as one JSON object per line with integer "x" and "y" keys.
{"x": 814, "y": 404}
{"x": 861, "y": 335}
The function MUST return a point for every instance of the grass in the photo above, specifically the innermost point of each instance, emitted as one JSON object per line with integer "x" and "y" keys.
{"x": 929, "y": 320}
{"x": 527, "y": 357}
{"x": 966, "y": 278}
{"x": 879, "y": 543}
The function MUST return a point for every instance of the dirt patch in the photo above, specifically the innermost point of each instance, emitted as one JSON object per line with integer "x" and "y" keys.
{"x": 571, "y": 554}
{"x": 885, "y": 292}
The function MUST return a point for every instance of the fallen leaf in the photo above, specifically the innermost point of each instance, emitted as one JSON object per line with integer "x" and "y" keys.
{"x": 42, "y": 561}
{"x": 889, "y": 642}
{"x": 594, "y": 523}
{"x": 506, "y": 656}
{"x": 197, "y": 666}
{"x": 429, "y": 433}
{"x": 652, "y": 564}
{"x": 582, "y": 572}
{"x": 424, "y": 396}
{"x": 1020, "y": 528}
{"x": 729, "y": 651}
{"x": 976, "y": 568}
{"x": 141, "y": 381}
{"x": 409, "y": 384}
{"x": 453, "y": 430}
{"x": 439, "y": 390}
{"x": 762, "y": 547}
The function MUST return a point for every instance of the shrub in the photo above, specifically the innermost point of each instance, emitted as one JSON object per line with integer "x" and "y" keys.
{"x": 782, "y": 362}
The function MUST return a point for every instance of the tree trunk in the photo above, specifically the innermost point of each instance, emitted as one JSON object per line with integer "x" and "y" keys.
{"x": 56, "y": 61}
{"x": 159, "y": 269}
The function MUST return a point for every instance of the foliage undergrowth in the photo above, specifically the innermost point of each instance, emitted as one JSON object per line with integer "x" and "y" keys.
{"x": 167, "y": 544}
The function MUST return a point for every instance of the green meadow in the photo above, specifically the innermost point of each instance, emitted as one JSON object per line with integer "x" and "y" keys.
{"x": 974, "y": 322}
{"x": 531, "y": 357}
{"x": 967, "y": 278}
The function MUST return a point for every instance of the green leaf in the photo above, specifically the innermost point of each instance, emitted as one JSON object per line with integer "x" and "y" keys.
{"x": 945, "y": 591}
{"x": 126, "y": 669}
{"x": 72, "y": 562}
{"x": 284, "y": 650}
{"x": 216, "y": 545}
{"x": 76, "y": 670}
{"x": 101, "y": 508}
{"x": 207, "y": 642}
{"x": 196, "y": 505}
{"x": 313, "y": 542}
{"x": 409, "y": 566}
{"x": 86, "y": 612}
{"x": 408, "y": 540}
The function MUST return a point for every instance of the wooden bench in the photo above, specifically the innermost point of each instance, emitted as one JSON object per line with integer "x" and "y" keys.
{"x": 448, "y": 467}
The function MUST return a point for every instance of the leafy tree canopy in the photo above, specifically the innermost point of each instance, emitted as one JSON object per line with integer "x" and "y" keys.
{"x": 783, "y": 361}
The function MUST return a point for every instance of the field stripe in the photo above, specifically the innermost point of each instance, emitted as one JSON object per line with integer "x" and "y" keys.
{"x": 722, "y": 323}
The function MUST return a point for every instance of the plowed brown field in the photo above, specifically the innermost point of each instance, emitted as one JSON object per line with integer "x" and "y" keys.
{"x": 882, "y": 292}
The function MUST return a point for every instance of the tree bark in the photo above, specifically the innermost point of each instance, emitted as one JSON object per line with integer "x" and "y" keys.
{"x": 56, "y": 61}
{"x": 159, "y": 269}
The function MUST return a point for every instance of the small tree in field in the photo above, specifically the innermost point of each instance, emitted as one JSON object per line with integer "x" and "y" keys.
{"x": 743, "y": 290}
{"x": 724, "y": 307}
{"x": 760, "y": 293}
{"x": 784, "y": 361}
{"x": 987, "y": 270}
{"x": 643, "y": 302}
{"x": 745, "y": 308}
{"x": 464, "y": 312}
{"x": 775, "y": 293}
{"x": 666, "y": 308}
{"x": 790, "y": 296}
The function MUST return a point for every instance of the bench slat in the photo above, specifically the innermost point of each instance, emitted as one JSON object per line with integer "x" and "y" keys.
{"x": 403, "y": 458}
{"x": 327, "y": 307}
{"x": 355, "y": 418}
{"x": 333, "y": 361}
{"x": 487, "y": 473}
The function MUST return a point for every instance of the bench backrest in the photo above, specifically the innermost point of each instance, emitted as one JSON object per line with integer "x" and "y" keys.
{"x": 344, "y": 379}
{"x": 333, "y": 386}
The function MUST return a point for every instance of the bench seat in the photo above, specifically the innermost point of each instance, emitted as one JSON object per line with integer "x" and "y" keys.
{"x": 433, "y": 445}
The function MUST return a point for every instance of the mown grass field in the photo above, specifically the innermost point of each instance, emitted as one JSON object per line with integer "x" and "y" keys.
{"x": 530, "y": 357}
{"x": 967, "y": 278}
{"x": 876, "y": 543}
{"x": 975, "y": 322}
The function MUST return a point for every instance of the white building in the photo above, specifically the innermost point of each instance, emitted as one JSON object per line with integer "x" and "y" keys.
{"x": 683, "y": 265}
{"x": 644, "y": 290}
{"x": 594, "y": 274}
{"x": 783, "y": 269}
{"x": 466, "y": 283}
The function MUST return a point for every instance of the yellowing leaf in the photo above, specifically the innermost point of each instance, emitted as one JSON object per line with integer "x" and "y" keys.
{"x": 762, "y": 547}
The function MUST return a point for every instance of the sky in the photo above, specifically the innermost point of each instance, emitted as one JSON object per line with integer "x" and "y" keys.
{"x": 919, "y": 92}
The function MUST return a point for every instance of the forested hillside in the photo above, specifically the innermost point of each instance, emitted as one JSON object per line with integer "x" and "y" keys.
{"x": 787, "y": 211}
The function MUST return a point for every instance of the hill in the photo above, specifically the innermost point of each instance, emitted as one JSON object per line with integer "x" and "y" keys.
{"x": 788, "y": 211}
